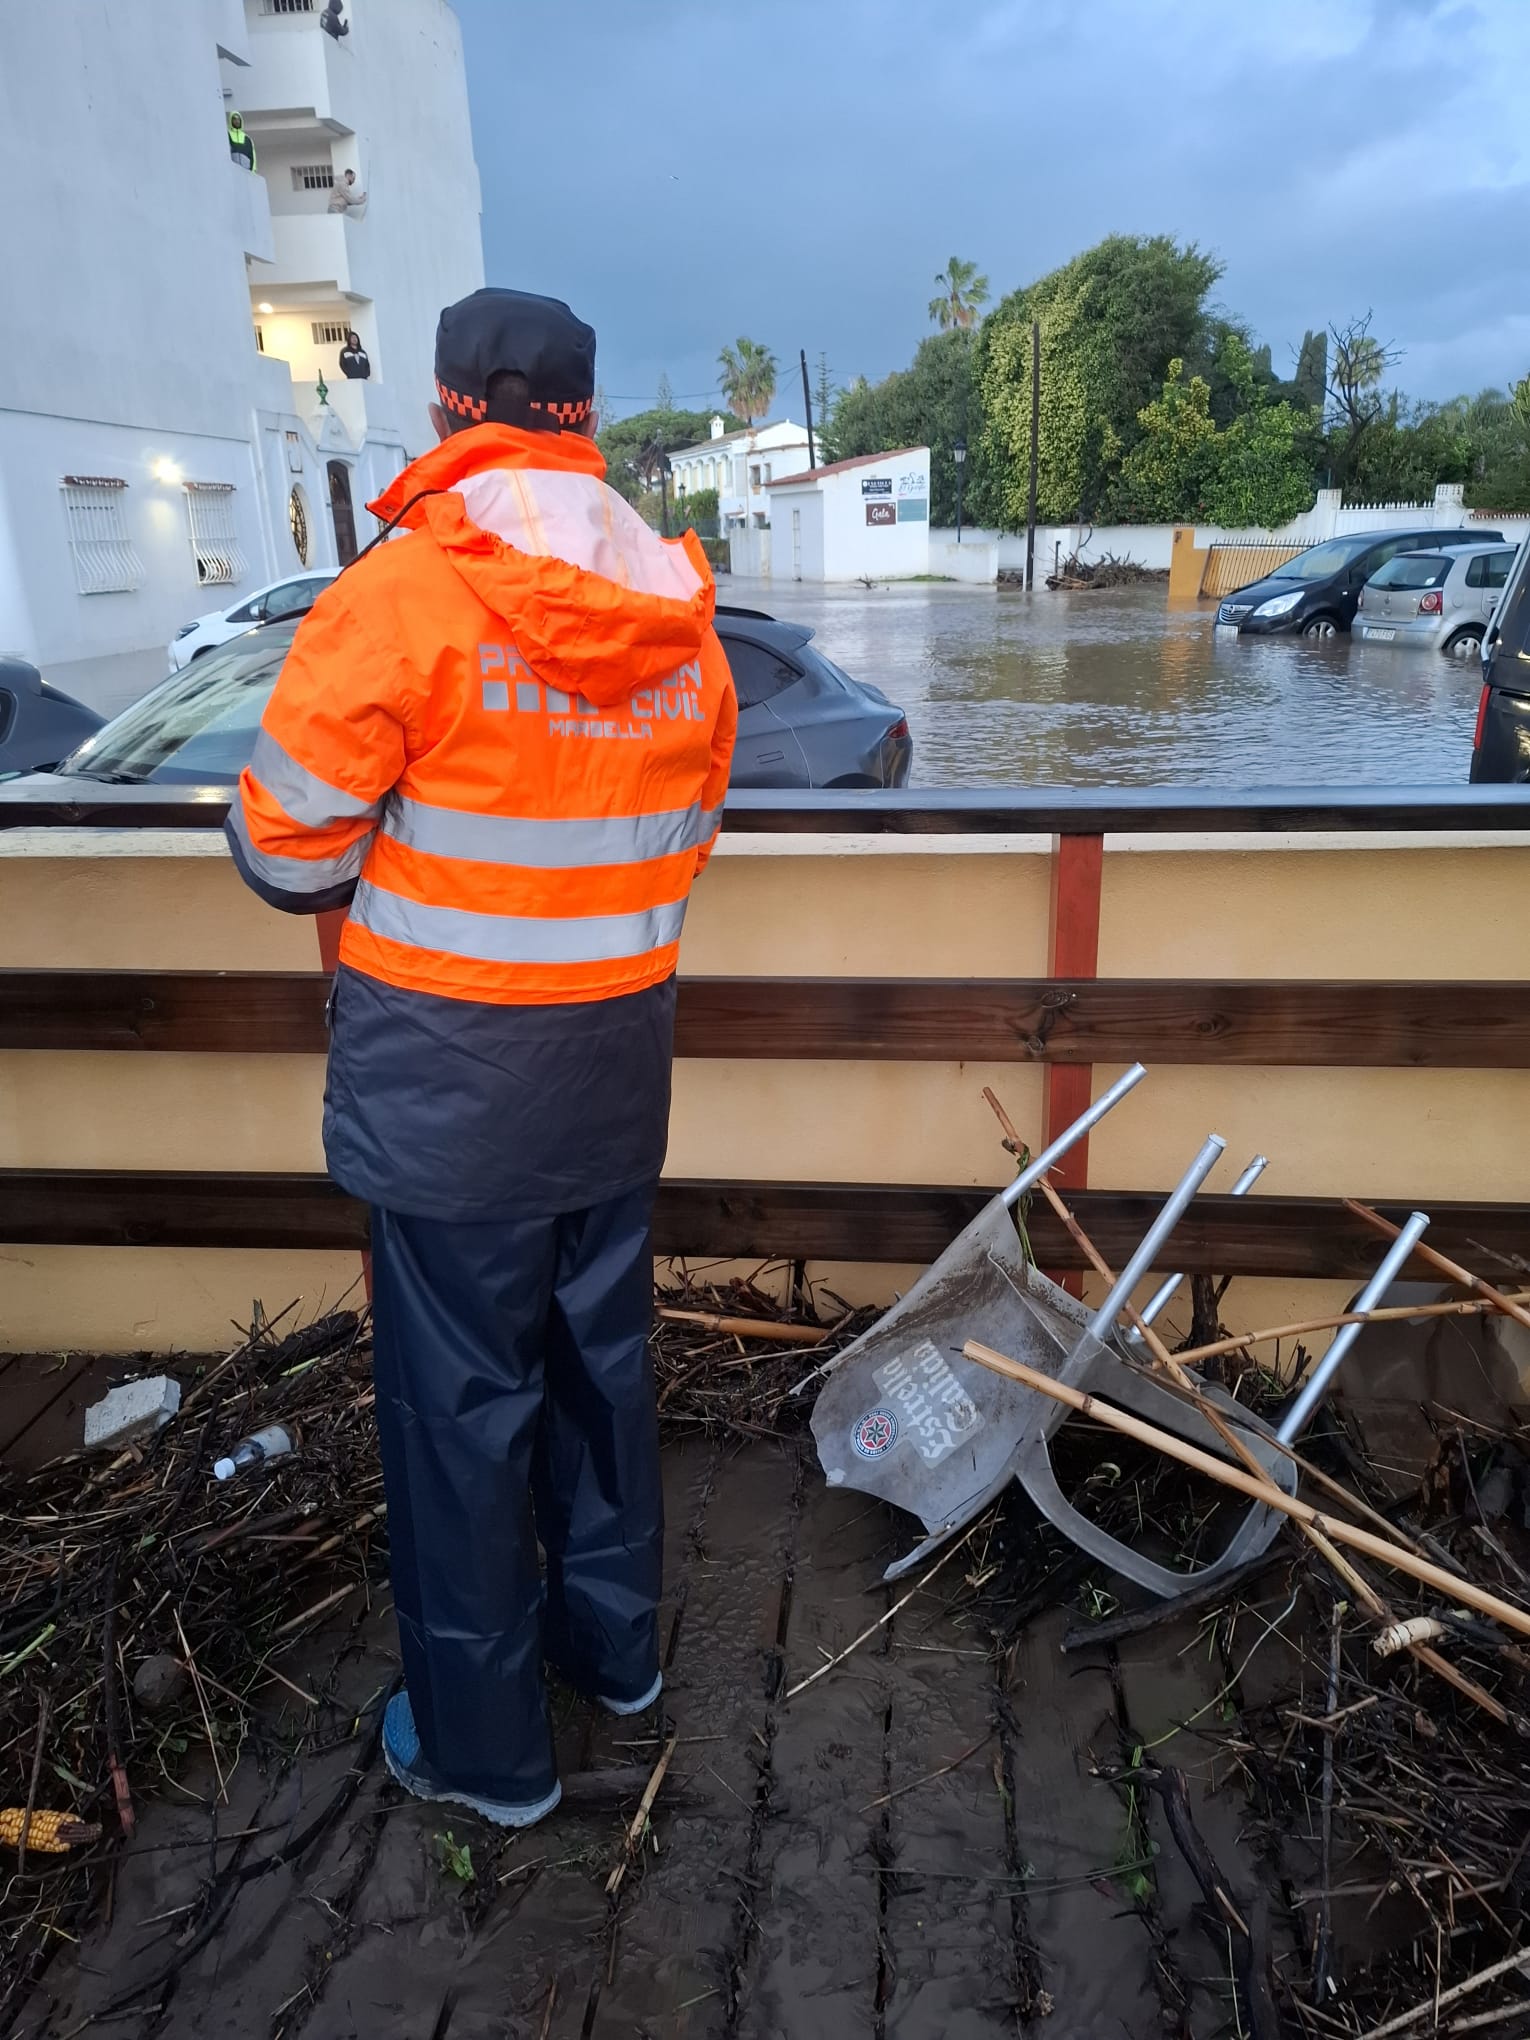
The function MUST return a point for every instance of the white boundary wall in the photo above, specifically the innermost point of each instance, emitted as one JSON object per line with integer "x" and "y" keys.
{"x": 1150, "y": 545}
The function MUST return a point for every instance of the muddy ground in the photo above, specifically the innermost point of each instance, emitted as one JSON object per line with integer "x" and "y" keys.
{"x": 920, "y": 1845}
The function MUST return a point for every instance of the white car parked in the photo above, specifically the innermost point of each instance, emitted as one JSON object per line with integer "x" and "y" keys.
{"x": 294, "y": 596}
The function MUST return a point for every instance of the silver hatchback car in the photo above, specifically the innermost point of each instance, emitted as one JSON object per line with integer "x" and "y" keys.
{"x": 1440, "y": 601}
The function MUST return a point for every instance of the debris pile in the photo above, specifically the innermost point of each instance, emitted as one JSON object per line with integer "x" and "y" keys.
{"x": 1106, "y": 572}
{"x": 146, "y": 1606}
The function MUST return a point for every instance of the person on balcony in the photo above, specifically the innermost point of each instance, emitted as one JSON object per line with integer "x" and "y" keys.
{"x": 354, "y": 365}
{"x": 346, "y": 198}
{"x": 332, "y": 22}
{"x": 240, "y": 147}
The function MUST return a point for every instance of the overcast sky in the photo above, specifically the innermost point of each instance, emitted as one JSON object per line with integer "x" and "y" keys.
{"x": 797, "y": 170}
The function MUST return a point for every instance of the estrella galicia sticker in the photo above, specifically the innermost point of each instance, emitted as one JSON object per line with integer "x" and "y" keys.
{"x": 875, "y": 1434}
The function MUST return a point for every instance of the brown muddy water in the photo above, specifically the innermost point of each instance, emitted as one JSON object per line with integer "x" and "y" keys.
{"x": 927, "y": 1844}
{"x": 1117, "y": 689}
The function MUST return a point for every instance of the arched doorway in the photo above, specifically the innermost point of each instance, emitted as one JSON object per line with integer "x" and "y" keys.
{"x": 341, "y": 511}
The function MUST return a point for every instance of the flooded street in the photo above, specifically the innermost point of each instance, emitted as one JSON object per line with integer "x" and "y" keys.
{"x": 1115, "y": 689}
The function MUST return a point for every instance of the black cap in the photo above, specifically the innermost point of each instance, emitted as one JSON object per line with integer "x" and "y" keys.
{"x": 495, "y": 331}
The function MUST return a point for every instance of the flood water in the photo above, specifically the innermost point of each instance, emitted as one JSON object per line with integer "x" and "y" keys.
{"x": 1117, "y": 689}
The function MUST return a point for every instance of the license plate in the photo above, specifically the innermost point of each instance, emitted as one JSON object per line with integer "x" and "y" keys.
{"x": 1381, "y": 637}
{"x": 1228, "y": 630}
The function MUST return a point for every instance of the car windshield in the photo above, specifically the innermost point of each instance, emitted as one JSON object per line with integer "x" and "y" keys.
{"x": 199, "y": 726}
{"x": 1319, "y": 561}
{"x": 1412, "y": 570}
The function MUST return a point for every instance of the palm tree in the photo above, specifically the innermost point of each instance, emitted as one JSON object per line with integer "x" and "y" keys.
{"x": 962, "y": 294}
{"x": 748, "y": 378}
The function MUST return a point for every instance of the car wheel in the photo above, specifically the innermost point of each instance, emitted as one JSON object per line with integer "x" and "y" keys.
{"x": 1320, "y": 627}
{"x": 200, "y": 653}
{"x": 1465, "y": 644}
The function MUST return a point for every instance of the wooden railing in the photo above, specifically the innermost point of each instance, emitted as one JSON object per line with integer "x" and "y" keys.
{"x": 1065, "y": 1022}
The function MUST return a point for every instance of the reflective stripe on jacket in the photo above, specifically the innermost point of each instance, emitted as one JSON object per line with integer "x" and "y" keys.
{"x": 503, "y": 737}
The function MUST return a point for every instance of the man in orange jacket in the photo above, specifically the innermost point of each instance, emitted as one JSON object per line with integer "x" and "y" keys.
{"x": 502, "y": 739}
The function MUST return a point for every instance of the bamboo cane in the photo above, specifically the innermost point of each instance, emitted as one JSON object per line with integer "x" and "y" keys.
{"x": 747, "y": 1327}
{"x": 1464, "y": 1592}
{"x": 1438, "y": 1261}
{"x": 1235, "y": 1342}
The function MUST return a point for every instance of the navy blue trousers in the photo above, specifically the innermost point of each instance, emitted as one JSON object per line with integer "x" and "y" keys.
{"x": 515, "y": 1405}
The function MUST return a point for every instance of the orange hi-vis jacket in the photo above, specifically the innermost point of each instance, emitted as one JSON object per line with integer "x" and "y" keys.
{"x": 504, "y": 735}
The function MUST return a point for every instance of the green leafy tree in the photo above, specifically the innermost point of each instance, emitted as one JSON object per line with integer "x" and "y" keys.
{"x": 963, "y": 293}
{"x": 1111, "y": 321}
{"x": 1257, "y": 471}
{"x": 1400, "y": 451}
{"x": 1500, "y": 429}
{"x": 633, "y": 446}
{"x": 748, "y": 378}
{"x": 1311, "y": 378}
{"x": 1166, "y": 473}
{"x": 930, "y": 403}
{"x": 1262, "y": 468}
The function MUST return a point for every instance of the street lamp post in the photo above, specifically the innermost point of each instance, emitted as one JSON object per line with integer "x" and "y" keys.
{"x": 959, "y": 455}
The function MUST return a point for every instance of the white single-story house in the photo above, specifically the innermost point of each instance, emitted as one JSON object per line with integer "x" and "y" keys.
{"x": 862, "y": 518}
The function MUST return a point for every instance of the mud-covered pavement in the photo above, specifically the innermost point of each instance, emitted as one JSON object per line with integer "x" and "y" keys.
{"x": 917, "y": 1845}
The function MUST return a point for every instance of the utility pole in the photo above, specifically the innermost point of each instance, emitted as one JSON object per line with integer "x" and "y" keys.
{"x": 807, "y": 398}
{"x": 1030, "y": 514}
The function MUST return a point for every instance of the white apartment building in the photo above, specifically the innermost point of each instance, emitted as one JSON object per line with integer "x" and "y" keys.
{"x": 741, "y": 466}
{"x": 174, "y": 425}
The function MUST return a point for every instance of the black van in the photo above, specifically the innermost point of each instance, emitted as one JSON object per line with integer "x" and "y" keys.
{"x": 1501, "y": 745}
{"x": 1315, "y": 595}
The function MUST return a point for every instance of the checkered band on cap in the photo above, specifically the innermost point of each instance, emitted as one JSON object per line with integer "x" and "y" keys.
{"x": 566, "y": 414}
{"x": 476, "y": 408}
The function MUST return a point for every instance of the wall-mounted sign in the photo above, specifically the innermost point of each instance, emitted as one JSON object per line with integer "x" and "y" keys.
{"x": 913, "y": 510}
{"x": 877, "y": 485}
{"x": 913, "y": 485}
{"x": 881, "y": 513}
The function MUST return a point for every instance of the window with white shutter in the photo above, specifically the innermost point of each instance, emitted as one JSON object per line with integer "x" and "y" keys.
{"x": 214, "y": 541}
{"x": 95, "y": 513}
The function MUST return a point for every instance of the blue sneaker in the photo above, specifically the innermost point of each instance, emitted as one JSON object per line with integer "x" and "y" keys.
{"x": 633, "y": 1706}
{"x": 406, "y": 1761}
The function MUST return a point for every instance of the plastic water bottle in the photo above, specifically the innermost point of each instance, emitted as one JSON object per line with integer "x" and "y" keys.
{"x": 272, "y": 1443}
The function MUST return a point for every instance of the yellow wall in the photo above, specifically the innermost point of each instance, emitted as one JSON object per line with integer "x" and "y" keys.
{"x": 1187, "y": 563}
{"x": 817, "y": 907}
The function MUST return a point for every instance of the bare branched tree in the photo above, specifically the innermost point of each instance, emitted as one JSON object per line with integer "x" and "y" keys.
{"x": 1357, "y": 364}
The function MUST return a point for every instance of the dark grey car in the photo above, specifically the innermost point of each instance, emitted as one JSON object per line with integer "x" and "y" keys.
{"x": 802, "y": 722}
{"x": 38, "y": 724}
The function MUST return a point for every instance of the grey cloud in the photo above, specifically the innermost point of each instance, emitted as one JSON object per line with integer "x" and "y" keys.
{"x": 685, "y": 172}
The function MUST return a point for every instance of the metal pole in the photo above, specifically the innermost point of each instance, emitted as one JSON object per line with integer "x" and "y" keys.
{"x": 1152, "y": 1240}
{"x": 1162, "y": 1296}
{"x": 961, "y": 469}
{"x": 807, "y": 398}
{"x": 1315, "y": 1387}
{"x": 1049, "y": 1157}
{"x": 664, "y": 491}
{"x": 1030, "y": 514}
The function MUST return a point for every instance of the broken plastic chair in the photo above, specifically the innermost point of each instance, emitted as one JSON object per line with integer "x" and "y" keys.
{"x": 903, "y": 1416}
